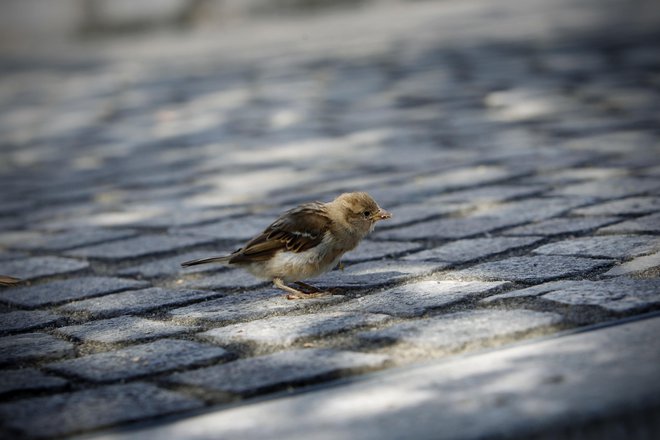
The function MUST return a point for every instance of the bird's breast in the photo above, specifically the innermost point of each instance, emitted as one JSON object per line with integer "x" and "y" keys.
{"x": 296, "y": 266}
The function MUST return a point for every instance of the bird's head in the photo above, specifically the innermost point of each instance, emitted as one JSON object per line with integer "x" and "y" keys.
{"x": 360, "y": 211}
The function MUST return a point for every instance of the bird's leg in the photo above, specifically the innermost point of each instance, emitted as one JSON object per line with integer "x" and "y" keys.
{"x": 309, "y": 287}
{"x": 296, "y": 294}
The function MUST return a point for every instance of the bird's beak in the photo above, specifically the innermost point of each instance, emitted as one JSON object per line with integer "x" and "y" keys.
{"x": 382, "y": 215}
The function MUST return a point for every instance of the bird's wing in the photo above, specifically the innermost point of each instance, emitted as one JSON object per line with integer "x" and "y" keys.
{"x": 297, "y": 230}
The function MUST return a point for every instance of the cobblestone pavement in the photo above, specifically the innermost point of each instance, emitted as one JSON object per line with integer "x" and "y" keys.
{"x": 517, "y": 145}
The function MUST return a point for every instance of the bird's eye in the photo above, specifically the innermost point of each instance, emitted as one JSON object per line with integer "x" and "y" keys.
{"x": 366, "y": 214}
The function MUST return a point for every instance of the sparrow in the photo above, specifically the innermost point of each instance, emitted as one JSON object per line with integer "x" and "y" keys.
{"x": 305, "y": 242}
{"x": 7, "y": 281}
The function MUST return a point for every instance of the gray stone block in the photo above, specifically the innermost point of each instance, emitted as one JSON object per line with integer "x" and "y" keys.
{"x": 13, "y": 239}
{"x": 535, "y": 209}
{"x": 69, "y": 413}
{"x": 32, "y": 346}
{"x": 261, "y": 373}
{"x": 646, "y": 224}
{"x": 28, "y": 379}
{"x": 61, "y": 291}
{"x": 532, "y": 269}
{"x": 618, "y": 246}
{"x": 140, "y": 360}
{"x": 564, "y": 225}
{"x": 38, "y": 267}
{"x": 69, "y": 239}
{"x": 448, "y": 228}
{"x": 631, "y": 205}
{"x": 12, "y": 255}
{"x": 487, "y": 194}
{"x": 636, "y": 265}
{"x": 458, "y": 330}
{"x": 135, "y": 301}
{"x": 226, "y": 280}
{"x": 185, "y": 218}
{"x": 20, "y": 320}
{"x": 122, "y": 329}
{"x": 284, "y": 331}
{"x": 246, "y": 306}
{"x": 141, "y": 246}
{"x": 424, "y": 186}
{"x": 375, "y": 273}
{"x": 372, "y": 250}
{"x": 610, "y": 188}
{"x": 551, "y": 387}
{"x": 235, "y": 229}
{"x": 416, "y": 298}
{"x": 462, "y": 251}
{"x": 171, "y": 266}
{"x": 415, "y": 212}
{"x": 617, "y": 295}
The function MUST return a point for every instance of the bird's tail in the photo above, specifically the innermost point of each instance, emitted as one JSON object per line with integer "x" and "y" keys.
{"x": 224, "y": 259}
{"x": 7, "y": 281}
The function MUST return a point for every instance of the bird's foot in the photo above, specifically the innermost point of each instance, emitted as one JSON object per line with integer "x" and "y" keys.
{"x": 299, "y": 294}
{"x": 303, "y": 295}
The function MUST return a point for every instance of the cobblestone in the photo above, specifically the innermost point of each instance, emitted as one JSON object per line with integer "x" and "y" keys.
{"x": 225, "y": 280}
{"x": 39, "y": 267}
{"x": 415, "y": 299}
{"x": 565, "y": 225}
{"x": 610, "y": 188}
{"x": 284, "y": 331}
{"x": 32, "y": 346}
{"x": 488, "y": 194}
{"x": 515, "y": 142}
{"x": 618, "y": 246}
{"x": 375, "y": 273}
{"x": 618, "y": 295}
{"x": 171, "y": 266}
{"x": 646, "y": 224}
{"x": 249, "y": 376}
{"x": 462, "y": 251}
{"x": 531, "y": 269}
{"x": 639, "y": 264}
{"x": 246, "y": 306}
{"x": 631, "y": 205}
{"x": 63, "y": 240}
{"x": 20, "y": 320}
{"x": 138, "y": 247}
{"x": 238, "y": 229}
{"x": 28, "y": 379}
{"x": 458, "y": 330}
{"x": 122, "y": 329}
{"x": 374, "y": 250}
{"x": 415, "y": 212}
{"x": 447, "y": 399}
{"x": 5, "y": 256}
{"x": 140, "y": 360}
{"x": 135, "y": 301}
{"x": 70, "y": 413}
{"x": 450, "y": 228}
{"x": 61, "y": 291}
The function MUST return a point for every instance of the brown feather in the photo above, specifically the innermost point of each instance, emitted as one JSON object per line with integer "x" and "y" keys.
{"x": 297, "y": 230}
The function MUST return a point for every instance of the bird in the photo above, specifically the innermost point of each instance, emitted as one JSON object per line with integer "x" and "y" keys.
{"x": 7, "y": 281}
{"x": 305, "y": 242}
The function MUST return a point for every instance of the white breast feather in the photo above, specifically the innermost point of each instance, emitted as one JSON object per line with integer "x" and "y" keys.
{"x": 292, "y": 266}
